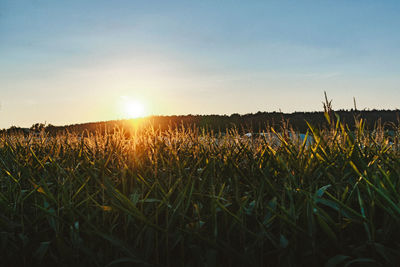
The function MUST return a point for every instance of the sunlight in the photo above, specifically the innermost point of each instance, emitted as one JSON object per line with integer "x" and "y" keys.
{"x": 134, "y": 109}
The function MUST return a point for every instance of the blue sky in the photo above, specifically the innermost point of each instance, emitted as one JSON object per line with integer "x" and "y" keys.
{"x": 72, "y": 61}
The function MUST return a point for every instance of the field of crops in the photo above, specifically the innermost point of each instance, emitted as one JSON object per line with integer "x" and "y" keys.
{"x": 188, "y": 197}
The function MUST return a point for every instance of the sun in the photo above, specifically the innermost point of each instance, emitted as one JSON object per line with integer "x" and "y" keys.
{"x": 134, "y": 109}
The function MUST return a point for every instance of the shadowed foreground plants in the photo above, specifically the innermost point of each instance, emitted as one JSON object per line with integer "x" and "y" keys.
{"x": 191, "y": 198}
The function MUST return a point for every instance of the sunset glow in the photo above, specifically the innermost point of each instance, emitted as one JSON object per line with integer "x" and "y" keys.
{"x": 134, "y": 109}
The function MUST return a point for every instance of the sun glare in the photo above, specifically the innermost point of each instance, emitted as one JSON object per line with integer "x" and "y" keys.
{"x": 134, "y": 109}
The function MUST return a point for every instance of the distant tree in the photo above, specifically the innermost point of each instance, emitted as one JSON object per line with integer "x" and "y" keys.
{"x": 38, "y": 127}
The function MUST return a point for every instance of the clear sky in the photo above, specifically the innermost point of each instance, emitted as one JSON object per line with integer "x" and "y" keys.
{"x": 75, "y": 61}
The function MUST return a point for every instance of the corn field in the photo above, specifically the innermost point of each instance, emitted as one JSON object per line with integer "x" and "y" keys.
{"x": 189, "y": 197}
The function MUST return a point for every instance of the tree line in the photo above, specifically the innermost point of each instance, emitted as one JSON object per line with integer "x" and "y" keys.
{"x": 252, "y": 122}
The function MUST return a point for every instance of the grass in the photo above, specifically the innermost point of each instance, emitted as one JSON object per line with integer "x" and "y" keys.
{"x": 187, "y": 197}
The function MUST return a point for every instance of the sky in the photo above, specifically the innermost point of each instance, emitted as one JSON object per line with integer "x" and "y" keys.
{"x": 66, "y": 62}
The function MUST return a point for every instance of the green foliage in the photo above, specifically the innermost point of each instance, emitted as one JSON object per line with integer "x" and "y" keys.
{"x": 189, "y": 197}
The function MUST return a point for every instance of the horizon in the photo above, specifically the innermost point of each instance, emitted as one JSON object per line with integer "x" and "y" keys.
{"x": 77, "y": 62}
{"x": 351, "y": 110}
